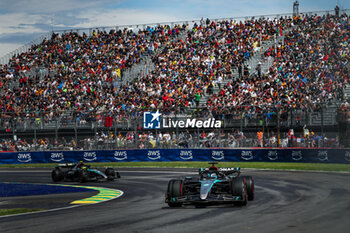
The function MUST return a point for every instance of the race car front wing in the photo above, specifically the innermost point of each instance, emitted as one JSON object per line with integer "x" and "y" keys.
{"x": 192, "y": 199}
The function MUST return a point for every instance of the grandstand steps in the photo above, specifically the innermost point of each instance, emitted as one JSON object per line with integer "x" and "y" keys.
{"x": 140, "y": 69}
{"x": 347, "y": 92}
{"x": 145, "y": 67}
{"x": 329, "y": 116}
{"x": 259, "y": 56}
{"x": 254, "y": 60}
{"x": 203, "y": 101}
{"x": 252, "y": 63}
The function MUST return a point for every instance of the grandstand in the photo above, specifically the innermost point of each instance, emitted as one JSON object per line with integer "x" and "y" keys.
{"x": 88, "y": 88}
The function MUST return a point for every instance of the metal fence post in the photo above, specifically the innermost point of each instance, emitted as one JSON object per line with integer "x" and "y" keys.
{"x": 278, "y": 127}
{"x": 35, "y": 139}
{"x": 322, "y": 128}
{"x": 56, "y": 129}
{"x": 76, "y": 131}
{"x": 136, "y": 136}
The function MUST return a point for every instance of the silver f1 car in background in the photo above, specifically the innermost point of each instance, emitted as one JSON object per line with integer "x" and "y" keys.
{"x": 81, "y": 172}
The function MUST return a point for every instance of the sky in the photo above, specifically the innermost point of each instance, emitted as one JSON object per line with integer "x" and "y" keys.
{"x": 22, "y": 21}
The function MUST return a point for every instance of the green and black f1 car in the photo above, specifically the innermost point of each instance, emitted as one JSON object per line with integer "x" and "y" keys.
{"x": 82, "y": 173}
{"x": 211, "y": 185}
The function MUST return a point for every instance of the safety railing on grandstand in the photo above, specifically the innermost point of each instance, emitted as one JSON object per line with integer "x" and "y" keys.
{"x": 103, "y": 130}
{"x": 135, "y": 27}
{"x": 237, "y": 117}
{"x": 121, "y": 139}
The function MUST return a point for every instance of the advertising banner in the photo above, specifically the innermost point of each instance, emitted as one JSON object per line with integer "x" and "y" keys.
{"x": 165, "y": 155}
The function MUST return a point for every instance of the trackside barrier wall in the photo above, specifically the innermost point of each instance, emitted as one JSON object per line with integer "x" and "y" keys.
{"x": 165, "y": 155}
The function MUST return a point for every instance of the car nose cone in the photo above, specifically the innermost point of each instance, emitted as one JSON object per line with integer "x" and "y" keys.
{"x": 205, "y": 188}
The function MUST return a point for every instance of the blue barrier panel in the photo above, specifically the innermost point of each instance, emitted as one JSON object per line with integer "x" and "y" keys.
{"x": 163, "y": 155}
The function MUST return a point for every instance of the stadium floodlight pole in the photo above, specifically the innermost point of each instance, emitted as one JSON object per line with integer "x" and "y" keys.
{"x": 296, "y": 8}
{"x": 275, "y": 39}
{"x": 52, "y": 24}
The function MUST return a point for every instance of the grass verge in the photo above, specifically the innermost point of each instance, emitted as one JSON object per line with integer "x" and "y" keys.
{"x": 256, "y": 165}
{"x": 17, "y": 211}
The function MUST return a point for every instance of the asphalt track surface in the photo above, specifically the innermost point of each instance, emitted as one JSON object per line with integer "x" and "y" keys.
{"x": 285, "y": 202}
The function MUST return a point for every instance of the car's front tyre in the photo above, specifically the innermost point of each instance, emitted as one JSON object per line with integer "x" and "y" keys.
{"x": 57, "y": 175}
{"x": 250, "y": 187}
{"x": 238, "y": 187}
{"x": 83, "y": 176}
{"x": 110, "y": 173}
{"x": 175, "y": 189}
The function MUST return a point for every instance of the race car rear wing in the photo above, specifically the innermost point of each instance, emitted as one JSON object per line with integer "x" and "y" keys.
{"x": 230, "y": 170}
{"x": 226, "y": 170}
{"x": 65, "y": 165}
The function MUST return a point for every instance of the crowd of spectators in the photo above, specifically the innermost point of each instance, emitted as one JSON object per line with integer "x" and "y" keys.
{"x": 188, "y": 69}
{"x": 38, "y": 144}
{"x": 170, "y": 139}
{"x": 83, "y": 70}
{"x": 311, "y": 66}
{"x": 344, "y": 112}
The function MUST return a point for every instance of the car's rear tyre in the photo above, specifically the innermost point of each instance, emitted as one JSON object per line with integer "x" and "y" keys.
{"x": 250, "y": 187}
{"x": 110, "y": 173}
{"x": 238, "y": 187}
{"x": 57, "y": 175}
{"x": 175, "y": 188}
{"x": 83, "y": 176}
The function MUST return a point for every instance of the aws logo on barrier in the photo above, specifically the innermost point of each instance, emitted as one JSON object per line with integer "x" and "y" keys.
{"x": 57, "y": 157}
{"x": 186, "y": 154}
{"x": 121, "y": 155}
{"x": 24, "y": 157}
{"x": 217, "y": 155}
{"x": 272, "y": 155}
{"x": 247, "y": 155}
{"x": 297, "y": 155}
{"x": 90, "y": 156}
{"x": 322, "y": 155}
{"x": 153, "y": 154}
{"x": 347, "y": 156}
